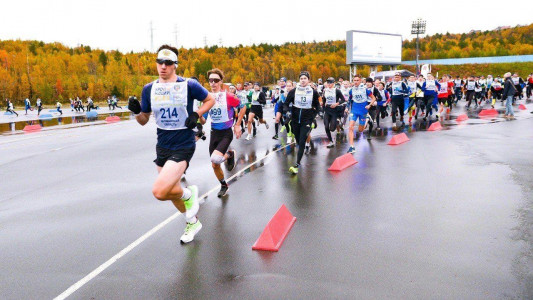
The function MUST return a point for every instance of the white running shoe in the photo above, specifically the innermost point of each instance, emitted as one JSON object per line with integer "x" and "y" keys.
{"x": 190, "y": 231}
{"x": 266, "y": 125}
{"x": 248, "y": 137}
{"x": 192, "y": 205}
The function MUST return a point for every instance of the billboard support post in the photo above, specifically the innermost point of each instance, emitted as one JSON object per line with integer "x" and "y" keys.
{"x": 418, "y": 27}
{"x": 353, "y": 71}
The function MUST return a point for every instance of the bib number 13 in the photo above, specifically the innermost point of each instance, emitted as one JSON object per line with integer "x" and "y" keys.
{"x": 166, "y": 113}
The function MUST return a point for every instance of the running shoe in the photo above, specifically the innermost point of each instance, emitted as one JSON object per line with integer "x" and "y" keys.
{"x": 231, "y": 162}
{"x": 330, "y": 145}
{"x": 275, "y": 137}
{"x": 192, "y": 204}
{"x": 190, "y": 231}
{"x": 248, "y": 137}
{"x": 307, "y": 147}
{"x": 293, "y": 170}
{"x": 368, "y": 137}
{"x": 266, "y": 125}
{"x": 351, "y": 150}
{"x": 223, "y": 191}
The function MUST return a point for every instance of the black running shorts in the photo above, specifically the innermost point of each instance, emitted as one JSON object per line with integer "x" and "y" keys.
{"x": 220, "y": 140}
{"x": 164, "y": 154}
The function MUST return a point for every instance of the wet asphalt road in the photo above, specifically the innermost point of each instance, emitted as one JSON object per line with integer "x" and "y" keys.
{"x": 446, "y": 215}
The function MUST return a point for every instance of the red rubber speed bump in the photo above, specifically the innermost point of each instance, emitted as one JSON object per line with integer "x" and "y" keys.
{"x": 112, "y": 119}
{"x": 461, "y": 118}
{"x": 522, "y": 107}
{"x": 398, "y": 139}
{"x": 488, "y": 112}
{"x": 342, "y": 162}
{"x": 435, "y": 126}
{"x": 32, "y": 128}
{"x": 276, "y": 231}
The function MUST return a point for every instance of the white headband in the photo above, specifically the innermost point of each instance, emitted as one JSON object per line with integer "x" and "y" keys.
{"x": 167, "y": 55}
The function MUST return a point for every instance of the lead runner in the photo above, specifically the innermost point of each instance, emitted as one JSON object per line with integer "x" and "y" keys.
{"x": 171, "y": 99}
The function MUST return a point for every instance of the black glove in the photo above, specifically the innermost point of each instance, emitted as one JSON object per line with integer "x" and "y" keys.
{"x": 134, "y": 105}
{"x": 191, "y": 120}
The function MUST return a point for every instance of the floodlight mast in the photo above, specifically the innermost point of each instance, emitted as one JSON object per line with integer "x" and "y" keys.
{"x": 418, "y": 27}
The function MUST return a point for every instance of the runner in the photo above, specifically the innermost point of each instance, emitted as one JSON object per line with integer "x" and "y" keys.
{"x": 359, "y": 104}
{"x": 478, "y": 92}
{"x": 221, "y": 122}
{"x": 412, "y": 106}
{"x": 419, "y": 96}
{"x": 258, "y": 99}
{"x": 496, "y": 91}
{"x": 470, "y": 86}
{"x": 442, "y": 95}
{"x": 458, "y": 83}
{"x": 71, "y": 104}
{"x": 303, "y": 112}
{"x": 333, "y": 101}
{"x": 399, "y": 91}
{"x": 171, "y": 99}
{"x": 381, "y": 105}
{"x": 27, "y": 105}
{"x": 90, "y": 104}
{"x": 373, "y": 110}
{"x": 279, "y": 99}
{"x": 517, "y": 81}
{"x": 115, "y": 103}
{"x": 109, "y": 102}
{"x": 58, "y": 107}
{"x": 529, "y": 88}
{"x": 430, "y": 88}
{"x": 39, "y": 105}
{"x": 10, "y": 108}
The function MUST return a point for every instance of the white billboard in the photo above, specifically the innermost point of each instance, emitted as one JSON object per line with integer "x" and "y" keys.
{"x": 363, "y": 47}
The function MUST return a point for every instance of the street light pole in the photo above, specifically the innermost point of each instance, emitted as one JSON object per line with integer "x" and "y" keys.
{"x": 418, "y": 27}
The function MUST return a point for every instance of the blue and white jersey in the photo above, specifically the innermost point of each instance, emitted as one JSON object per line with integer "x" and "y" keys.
{"x": 359, "y": 98}
{"x": 171, "y": 104}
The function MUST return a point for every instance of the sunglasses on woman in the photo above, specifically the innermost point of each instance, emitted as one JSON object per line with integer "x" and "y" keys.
{"x": 215, "y": 80}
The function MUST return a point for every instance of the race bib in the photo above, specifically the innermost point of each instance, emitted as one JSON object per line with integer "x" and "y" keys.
{"x": 470, "y": 85}
{"x": 303, "y": 97}
{"x": 219, "y": 111}
{"x": 443, "y": 88}
{"x": 330, "y": 95}
{"x": 430, "y": 85}
{"x": 169, "y": 104}
{"x": 516, "y": 80}
{"x": 255, "y": 97}
{"x": 359, "y": 94}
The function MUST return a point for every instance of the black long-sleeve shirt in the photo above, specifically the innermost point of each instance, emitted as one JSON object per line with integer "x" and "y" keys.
{"x": 302, "y": 115}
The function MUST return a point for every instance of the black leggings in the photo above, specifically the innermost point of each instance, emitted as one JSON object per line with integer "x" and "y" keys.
{"x": 301, "y": 131}
{"x": 397, "y": 103}
{"x": 330, "y": 121}
{"x": 469, "y": 97}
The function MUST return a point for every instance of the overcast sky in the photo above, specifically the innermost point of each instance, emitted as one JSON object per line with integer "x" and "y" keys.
{"x": 125, "y": 25}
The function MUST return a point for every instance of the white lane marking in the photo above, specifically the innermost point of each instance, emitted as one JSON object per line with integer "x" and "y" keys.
{"x": 136, "y": 243}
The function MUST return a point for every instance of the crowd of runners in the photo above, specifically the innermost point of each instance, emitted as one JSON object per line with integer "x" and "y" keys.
{"x": 182, "y": 106}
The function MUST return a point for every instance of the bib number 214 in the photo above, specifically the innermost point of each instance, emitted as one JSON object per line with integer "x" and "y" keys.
{"x": 166, "y": 113}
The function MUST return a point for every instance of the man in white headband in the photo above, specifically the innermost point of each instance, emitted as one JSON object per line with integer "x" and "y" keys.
{"x": 171, "y": 99}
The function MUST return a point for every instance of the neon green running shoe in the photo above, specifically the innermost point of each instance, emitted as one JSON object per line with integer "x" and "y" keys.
{"x": 192, "y": 205}
{"x": 190, "y": 231}
{"x": 293, "y": 170}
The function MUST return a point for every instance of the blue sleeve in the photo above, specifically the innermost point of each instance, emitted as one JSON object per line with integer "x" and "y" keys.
{"x": 368, "y": 93}
{"x": 424, "y": 86}
{"x": 146, "y": 104}
{"x": 405, "y": 88}
{"x": 196, "y": 90}
{"x": 350, "y": 96}
{"x": 206, "y": 115}
{"x": 438, "y": 84}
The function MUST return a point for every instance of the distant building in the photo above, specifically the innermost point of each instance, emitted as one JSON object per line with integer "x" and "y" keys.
{"x": 474, "y": 31}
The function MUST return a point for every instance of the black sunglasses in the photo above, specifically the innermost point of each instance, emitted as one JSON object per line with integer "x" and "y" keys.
{"x": 215, "y": 80}
{"x": 166, "y": 62}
